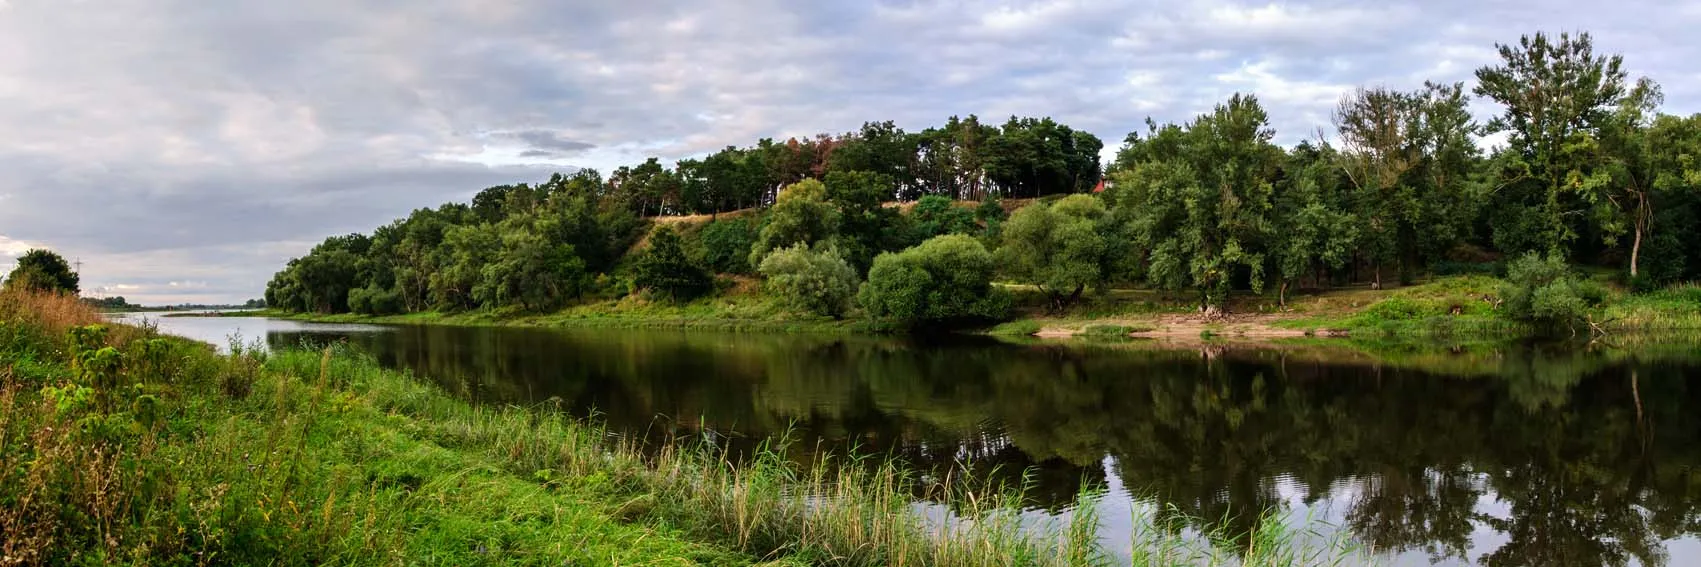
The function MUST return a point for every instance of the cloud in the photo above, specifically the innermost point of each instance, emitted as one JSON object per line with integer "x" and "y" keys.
{"x": 174, "y": 140}
{"x": 547, "y": 140}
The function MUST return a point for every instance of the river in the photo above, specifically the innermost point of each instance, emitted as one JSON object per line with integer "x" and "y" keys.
{"x": 1490, "y": 455}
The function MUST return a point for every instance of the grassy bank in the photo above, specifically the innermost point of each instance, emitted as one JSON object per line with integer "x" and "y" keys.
{"x": 1449, "y": 308}
{"x": 732, "y": 312}
{"x": 118, "y": 446}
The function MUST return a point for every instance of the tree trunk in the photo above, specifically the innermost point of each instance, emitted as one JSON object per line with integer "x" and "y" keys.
{"x": 1635, "y": 250}
{"x": 1641, "y": 226}
{"x": 1282, "y": 295}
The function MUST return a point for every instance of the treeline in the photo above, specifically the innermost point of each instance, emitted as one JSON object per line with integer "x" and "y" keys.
{"x": 962, "y": 159}
{"x": 1590, "y": 172}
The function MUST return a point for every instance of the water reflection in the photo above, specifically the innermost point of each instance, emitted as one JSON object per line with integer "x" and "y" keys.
{"x": 1513, "y": 455}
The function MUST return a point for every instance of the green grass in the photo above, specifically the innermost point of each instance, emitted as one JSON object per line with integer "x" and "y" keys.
{"x": 1444, "y": 308}
{"x": 1674, "y": 308}
{"x": 121, "y": 447}
{"x": 1017, "y": 328}
{"x": 731, "y": 312}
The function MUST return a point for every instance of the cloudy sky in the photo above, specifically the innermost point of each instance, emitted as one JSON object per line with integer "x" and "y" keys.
{"x": 184, "y": 149}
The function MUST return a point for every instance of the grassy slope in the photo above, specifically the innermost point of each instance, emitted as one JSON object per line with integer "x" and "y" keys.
{"x": 174, "y": 455}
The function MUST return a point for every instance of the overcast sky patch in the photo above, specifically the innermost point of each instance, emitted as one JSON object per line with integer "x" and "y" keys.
{"x": 164, "y": 141}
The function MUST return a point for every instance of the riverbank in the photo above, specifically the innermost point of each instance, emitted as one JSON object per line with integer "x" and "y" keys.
{"x": 156, "y": 450}
{"x": 1449, "y": 308}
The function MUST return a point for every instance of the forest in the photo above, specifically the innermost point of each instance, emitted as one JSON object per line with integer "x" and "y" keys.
{"x": 1585, "y": 174}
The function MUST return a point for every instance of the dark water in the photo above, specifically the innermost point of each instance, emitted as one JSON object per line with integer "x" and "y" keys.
{"x": 1509, "y": 455}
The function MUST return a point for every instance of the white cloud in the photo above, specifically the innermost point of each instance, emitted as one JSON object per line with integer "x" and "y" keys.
{"x": 173, "y": 140}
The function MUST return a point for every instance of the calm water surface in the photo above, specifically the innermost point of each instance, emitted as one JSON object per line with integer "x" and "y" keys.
{"x": 1517, "y": 455}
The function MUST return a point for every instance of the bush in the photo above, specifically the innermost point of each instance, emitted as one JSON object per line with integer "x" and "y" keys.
{"x": 801, "y": 214}
{"x": 945, "y": 281}
{"x": 935, "y": 215}
{"x": 1544, "y": 291}
{"x": 665, "y": 269}
{"x": 1056, "y": 248}
{"x": 373, "y": 300}
{"x": 818, "y": 281}
{"x": 726, "y": 246}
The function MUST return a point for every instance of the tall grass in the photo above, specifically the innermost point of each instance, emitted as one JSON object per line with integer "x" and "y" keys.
{"x": 1675, "y": 308}
{"x": 311, "y": 457}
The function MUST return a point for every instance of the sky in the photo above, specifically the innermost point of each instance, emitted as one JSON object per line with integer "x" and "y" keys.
{"x": 183, "y": 150}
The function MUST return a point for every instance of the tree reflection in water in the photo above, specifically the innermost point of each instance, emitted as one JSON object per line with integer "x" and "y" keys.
{"x": 1571, "y": 455}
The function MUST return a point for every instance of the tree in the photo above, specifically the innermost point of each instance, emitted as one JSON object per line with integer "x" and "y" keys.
{"x": 1197, "y": 199}
{"x": 468, "y": 250}
{"x": 1674, "y": 232}
{"x": 726, "y": 245}
{"x": 865, "y": 226}
{"x": 935, "y": 215}
{"x": 944, "y": 281}
{"x": 666, "y": 269}
{"x": 1315, "y": 228}
{"x": 950, "y": 160}
{"x": 1034, "y": 157}
{"x": 818, "y": 281}
{"x": 1407, "y": 156}
{"x": 1556, "y": 95}
{"x": 44, "y": 271}
{"x": 880, "y": 148}
{"x": 801, "y": 215}
{"x": 530, "y": 271}
{"x": 1056, "y": 247}
{"x": 1624, "y": 170}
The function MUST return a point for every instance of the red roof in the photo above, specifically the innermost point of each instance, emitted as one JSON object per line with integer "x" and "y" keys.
{"x": 1100, "y": 187}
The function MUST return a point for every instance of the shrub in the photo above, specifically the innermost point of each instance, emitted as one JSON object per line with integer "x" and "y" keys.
{"x": 935, "y": 215}
{"x": 373, "y": 300}
{"x": 818, "y": 281}
{"x": 801, "y": 214}
{"x": 665, "y": 269}
{"x": 726, "y": 246}
{"x": 945, "y": 281}
{"x": 1544, "y": 291}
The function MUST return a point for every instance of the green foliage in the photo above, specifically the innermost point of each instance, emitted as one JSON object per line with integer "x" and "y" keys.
{"x": 726, "y": 245}
{"x": 1056, "y": 247}
{"x": 531, "y": 272}
{"x": 1555, "y": 93}
{"x": 817, "y": 281}
{"x": 935, "y": 215}
{"x": 1544, "y": 291}
{"x": 1197, "y": 199}
{"x": 667, "y": 270}
{"x": 865, "y": 227}
{"x": 43, "y": 271}
{"x": 801, "y": 215}
{"x": 1590, "y": 169}
{"x": 945, "y": 281}
{"x": 1036, "y": 157}
{"x": 1407, "y": 157}
{"x": 372, "y": 300}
